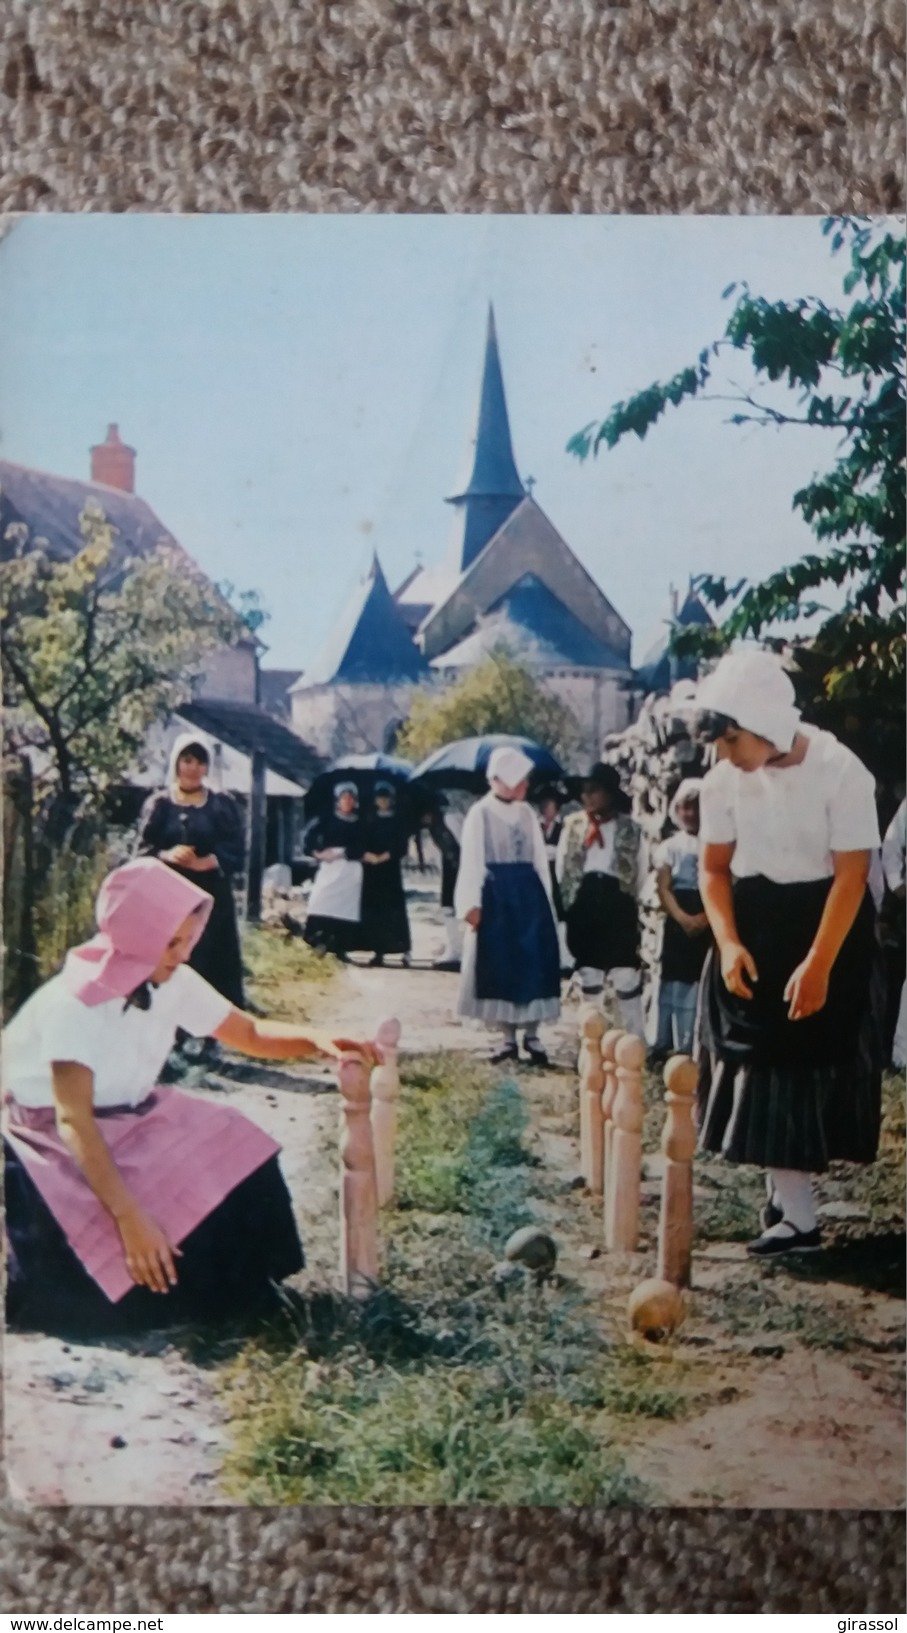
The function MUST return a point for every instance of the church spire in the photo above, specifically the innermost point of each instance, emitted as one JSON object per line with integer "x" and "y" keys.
{"x": 494, "y": 489}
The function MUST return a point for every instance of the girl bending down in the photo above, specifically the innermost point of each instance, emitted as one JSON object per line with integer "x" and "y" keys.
{"x": 790, "y": 1057}
{"x": 129, "y": 1204}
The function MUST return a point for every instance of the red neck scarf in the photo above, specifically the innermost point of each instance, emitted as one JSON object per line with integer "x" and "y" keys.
{"x": 594, "y": 831}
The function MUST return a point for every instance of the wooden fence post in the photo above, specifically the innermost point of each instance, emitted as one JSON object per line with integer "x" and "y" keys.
{"x": 591, "y": 1081}
{"x": 385, "y": 1091}
{"x": 256, "y": 834}
{"x": 20, "y": 954}
{"x": 609, "y": 1071}
{"x": 626, "y": 1147}
{"x": 358, "y": 1183}
{"x": 678, "y": 1142}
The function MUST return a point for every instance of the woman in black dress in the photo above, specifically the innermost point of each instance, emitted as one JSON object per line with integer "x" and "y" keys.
{"x": 200, "y": 834}
{"x": 384, "y": 927}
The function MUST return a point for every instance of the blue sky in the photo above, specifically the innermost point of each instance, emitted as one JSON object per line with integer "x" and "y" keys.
{"x": 301, "y": 389}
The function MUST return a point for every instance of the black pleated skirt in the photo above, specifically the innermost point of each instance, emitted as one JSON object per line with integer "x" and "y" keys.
{"x": 799, "y": 1094}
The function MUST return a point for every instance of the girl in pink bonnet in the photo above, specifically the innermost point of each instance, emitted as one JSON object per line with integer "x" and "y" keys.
{"x": 130, "y": 1205}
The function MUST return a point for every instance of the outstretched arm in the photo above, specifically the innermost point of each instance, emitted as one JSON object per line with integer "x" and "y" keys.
{"x": 278, "y": 1040}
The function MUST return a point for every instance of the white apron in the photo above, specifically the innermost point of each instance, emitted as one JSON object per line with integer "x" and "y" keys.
{"x": 337, "y": 891}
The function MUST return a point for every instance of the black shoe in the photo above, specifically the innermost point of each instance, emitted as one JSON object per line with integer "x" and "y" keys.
{"x": 535, "y": 1054}
{"x": 451, "y": 964}
{"x": 770, "y": 1214}
{"x": 376, "y": 963}
{"x": 796, "y": 1241}
{"x": 509, "y": 1051}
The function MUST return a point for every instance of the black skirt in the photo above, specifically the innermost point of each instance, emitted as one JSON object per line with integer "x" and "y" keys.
{"x": 791, "y": 1094}
{"x": 384, "y": 926}
{"x": 603, "y": 925}
{"x": 226, "y": 1267}
{"x": 683, "y": 956}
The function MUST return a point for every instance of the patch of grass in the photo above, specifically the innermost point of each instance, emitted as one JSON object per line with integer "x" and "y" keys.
{"x": 461, "y": 1145}
{"x": 880, "y": 1185}
{"x": 634, "y": 1387}
{"x": 440, "y": 1389}
{"x": 766, "y": 1307}
{"x": 439, "y": 1436}
{"x": 277, "y": 965}
{"x": 730, "y": 1212}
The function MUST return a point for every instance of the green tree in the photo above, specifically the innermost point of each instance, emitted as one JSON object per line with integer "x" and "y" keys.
{"x": 499, "y": 695}
{"x": 845, "y": 367}
{"x": 96, "y": 648}
{"x": 247, "y": 604}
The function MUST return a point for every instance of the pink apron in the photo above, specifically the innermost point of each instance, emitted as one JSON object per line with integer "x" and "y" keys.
{"x": 178, "y": 1155}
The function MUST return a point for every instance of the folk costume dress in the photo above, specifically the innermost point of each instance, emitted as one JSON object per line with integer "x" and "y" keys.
{"x": 791, "y": 1095}
{"x": 213, "y": 828}
{"x": 335, "y": 902}
{"x": 511, "y": 964}
{"x": 682, "y": 956}
{"x": 602, "y": 867}
{"x": 206, "y": 1174}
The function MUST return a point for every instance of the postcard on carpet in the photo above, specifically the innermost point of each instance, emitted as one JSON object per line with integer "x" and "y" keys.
{"x": 453, "y": 860}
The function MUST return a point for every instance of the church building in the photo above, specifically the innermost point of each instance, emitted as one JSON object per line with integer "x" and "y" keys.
{"x": 510, "y": 581}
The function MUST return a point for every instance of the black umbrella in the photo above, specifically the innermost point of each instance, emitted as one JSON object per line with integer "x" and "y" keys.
{"x": 464, "y": 764}
{"x": 363, "y": 770}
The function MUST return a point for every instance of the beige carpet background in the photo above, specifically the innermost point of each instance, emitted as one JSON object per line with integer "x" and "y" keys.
{"x": 643, "y": 105}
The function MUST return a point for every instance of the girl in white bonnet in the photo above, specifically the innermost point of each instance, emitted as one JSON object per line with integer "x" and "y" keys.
{"x": 511, "y": 959}
{"x": 789, "y": 1054}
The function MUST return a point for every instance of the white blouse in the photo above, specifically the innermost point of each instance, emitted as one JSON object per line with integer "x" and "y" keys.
{"x": 497, "y": 830}
{"x": 787, "y": 822}
{"x": 123, "y": 1048}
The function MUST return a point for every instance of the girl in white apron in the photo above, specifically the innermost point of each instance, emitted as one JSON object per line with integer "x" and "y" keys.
{"x": 335, "y": 902}
{"x": 511, "y": 962}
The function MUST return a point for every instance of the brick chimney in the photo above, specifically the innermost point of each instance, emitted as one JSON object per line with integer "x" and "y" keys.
{"x": 113, "y": 463}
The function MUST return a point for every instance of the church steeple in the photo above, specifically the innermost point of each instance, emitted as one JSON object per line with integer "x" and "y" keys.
{"x": 494, "y": 489}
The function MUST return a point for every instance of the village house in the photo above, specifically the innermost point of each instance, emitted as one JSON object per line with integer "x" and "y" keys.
{"x": 225, "y": 701}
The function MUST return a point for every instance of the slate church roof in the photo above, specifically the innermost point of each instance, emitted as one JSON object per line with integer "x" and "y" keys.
{"x": 532, "y": 622}
{"x": 371, "y": 642}
{"x": 658, "y": 670}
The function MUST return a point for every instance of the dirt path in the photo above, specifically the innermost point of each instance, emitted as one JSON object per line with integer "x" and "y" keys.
{"x": 780, "y": 1418}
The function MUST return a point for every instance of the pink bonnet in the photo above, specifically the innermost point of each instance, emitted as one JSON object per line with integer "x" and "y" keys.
{"x": 139, "y": 909}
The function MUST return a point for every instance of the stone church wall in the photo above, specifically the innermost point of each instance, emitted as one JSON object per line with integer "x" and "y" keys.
{"x": 597, "y": 702}
{"x": 349, "y": 719}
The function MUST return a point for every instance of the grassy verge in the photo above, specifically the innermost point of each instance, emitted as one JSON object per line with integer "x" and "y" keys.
{"x": 440, "y": 1389}
{"x": 283, "y": 974}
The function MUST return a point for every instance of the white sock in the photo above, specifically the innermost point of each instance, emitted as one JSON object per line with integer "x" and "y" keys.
{"x": 793, "y": 1194}
{"x": 453, "y": 936}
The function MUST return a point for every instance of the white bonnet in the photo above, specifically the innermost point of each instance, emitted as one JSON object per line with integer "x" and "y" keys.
{"x": 689, "y": 789}
{"x": 753, "y": 689}
{"x": 509, "y": 766}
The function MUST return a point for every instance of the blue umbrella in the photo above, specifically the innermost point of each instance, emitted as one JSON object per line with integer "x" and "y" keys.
{"x": 464, "y": 764}
{"x": 386, "y": 763}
